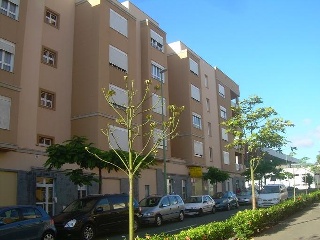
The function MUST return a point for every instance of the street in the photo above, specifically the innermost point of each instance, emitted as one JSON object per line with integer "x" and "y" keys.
{"x": 175, "y": 227}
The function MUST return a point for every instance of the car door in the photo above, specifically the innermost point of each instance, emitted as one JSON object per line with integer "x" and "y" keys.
{"x": 165, "y": 208}
{"x": 207, "y": 203}
{"x": 102, "y": 215}
{"x": 119, "y": 209}
{"x": 32, "y": 223}
{"x": 9, "y": 225}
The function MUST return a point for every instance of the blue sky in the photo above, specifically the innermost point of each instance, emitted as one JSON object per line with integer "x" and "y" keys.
{"x": 270, "y": 48}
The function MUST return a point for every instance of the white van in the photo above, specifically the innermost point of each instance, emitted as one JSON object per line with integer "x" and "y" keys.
{"x": 272, "y": 194}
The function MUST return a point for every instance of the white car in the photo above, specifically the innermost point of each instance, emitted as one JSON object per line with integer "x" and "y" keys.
{"x": 272, "y": 194}
{"x": 197, "y": 205}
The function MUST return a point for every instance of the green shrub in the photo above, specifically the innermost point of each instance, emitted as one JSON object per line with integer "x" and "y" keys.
{"x": 244, "y": 224}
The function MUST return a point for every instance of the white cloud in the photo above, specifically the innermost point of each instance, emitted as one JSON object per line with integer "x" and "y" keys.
{"x": 302, "y": 142}
{"x": 317, "y": 132}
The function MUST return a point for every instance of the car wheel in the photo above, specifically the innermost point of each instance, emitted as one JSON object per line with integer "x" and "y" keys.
{"x": 228, "y": 207}
{"x": 213, "y": 210}
{"x": 135, "y": 224}
{"x": 200, "y": 212}
{"x": 181, "y": 216}
{"x": 48, "y": 236}
{"x": 87, "y": 232}
{"x": 158, "y": 220}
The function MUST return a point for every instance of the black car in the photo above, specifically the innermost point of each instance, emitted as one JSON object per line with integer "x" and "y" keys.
{"x": 226, "y": 200}
{"x": 24, "y": 222}
{"x": 86, "y": 217}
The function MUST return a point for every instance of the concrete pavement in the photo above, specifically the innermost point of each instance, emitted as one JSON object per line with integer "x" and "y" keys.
{"x": 304, "y": 225}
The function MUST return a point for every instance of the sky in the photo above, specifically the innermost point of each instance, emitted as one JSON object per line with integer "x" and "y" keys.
{"x": 270, "y": 48}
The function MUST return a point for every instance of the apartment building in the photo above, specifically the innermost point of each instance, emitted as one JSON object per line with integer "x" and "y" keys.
{"x": 56, "y": 56}
{"x": 207, "y": 94}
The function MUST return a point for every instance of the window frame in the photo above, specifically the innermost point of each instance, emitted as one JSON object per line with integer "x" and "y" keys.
{"x": 7, "y": 48}
{"x": 221, "y": 90}
{"x": 7, "y": 12}
{"x": 46, "y": 137}
{"x": 157, "y": 104}
{"x": 6, "y": 118}
{"x": 53, "y": 101}
{"x": 223, "y": 112}
{"x": 195, "y": 142}
{"x": 197, "y": 124}
{"x": 50, "y": 51}
{"x": 195, "y": 93}
{"x": 156, "y": 73}
{"x": 48, "y": 20}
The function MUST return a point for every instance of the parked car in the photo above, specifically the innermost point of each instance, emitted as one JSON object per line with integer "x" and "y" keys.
{"x": 86, "y": 217}
{"x": 197, "y": 205}
{"x": 156, "y": 209}
{"x": 226, "y": 200}
{"x": 272, "y": 194}
{"x": 245, "y": 197}
{"x": 24, "y": 222}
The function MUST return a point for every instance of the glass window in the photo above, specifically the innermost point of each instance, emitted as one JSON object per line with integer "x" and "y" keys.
{"x": 157, "y": 71}
{"x": 47, "y": 99}
{"x": 196, "y": 120}
{"x": 30, "y": 213}
{"x": 45, "y": 141}
{"x": 10, "y": 8}
{"x": 165, "y": 201}
{"x": 49, "y": 57}
{"x": 52, "y": 18}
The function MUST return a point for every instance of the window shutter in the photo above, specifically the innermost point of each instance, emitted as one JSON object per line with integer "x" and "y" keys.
{"x": 7, "y": 46}
{"x": 118, "y": 58}
{"x": 224, "y": 134}
{"x": 198, "y": 148}
{"x": 221, "y": 90}
{"x": 157, "y": 104}
{"x": 5, "y": 105}
{"x": 120, "y": 97}
{"x": 226, "y": 158}
{"x": 118, "y": 138}
{"x": 118, "y": 23}
{"x": 156, "y": 36}
{"x": 193, "y": 66}
{"x": 16, "y": 2}
{"x": 195, "y": 93}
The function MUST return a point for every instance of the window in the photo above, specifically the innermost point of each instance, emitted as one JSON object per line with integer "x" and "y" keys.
{"x": 184, "y": 189}
{"x": 208, "y": 104}
{"x": 226, "y": 158}
{"x": 221, "y": 91}
{"x": 157, "y": 71}
{"x": 120, "y": 98}
{"x": 206, "y": 81}
{"x": 30, "y": 213}
{"x": 7, "y": 51}
{"x": 196, "y": 120}
{"x": 156, "y": 40}
{"x": 157, "y": 104}
{"x": 223, "y": 112}
{"x": 195, "y": 93}
{"x": 158, "y": 136}
{"x": 118, "y": 138}
{"x": 45, "y": 141}
{"x": 224, "y": 134}
{"x": 198, "y": 148}
{"x": 193, "y": 66}
{"x": 49, "y": 57}
{"x": 10, "y": 8}
{"x": 52, "y": 18}
{"x": 118, "y": 59}
{"x": 209, "y": 129}
{"x": 82, "y": 191}
{"x": 5, "y": 106}
{"x": 210, "y": 154}
{"x": 118, "y": 23}
{"x": 47, "y": 99}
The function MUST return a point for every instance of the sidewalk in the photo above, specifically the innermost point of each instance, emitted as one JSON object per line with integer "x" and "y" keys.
{"x": 304, "y": 225}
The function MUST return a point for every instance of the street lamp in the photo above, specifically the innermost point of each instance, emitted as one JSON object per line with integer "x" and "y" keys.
{"x": 163, "y": 134}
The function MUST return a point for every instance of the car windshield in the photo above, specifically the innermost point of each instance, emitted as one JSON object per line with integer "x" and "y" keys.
{"x": 149, "y": 202}
{"x": 194, "y": 200}
{"x": 82, "y": 205}
{"x": 219, "y": 195}
{"x": 245, "y": 193}
{"x": 270, "y": 189}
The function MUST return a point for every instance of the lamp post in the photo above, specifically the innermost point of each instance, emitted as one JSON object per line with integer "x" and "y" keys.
{"x": 163, "y": 134}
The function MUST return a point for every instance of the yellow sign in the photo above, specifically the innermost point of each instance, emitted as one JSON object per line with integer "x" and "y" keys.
{"x": 195, "y": 172}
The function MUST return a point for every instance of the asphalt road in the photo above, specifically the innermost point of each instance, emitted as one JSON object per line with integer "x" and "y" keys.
{"x": 173, "y": 227}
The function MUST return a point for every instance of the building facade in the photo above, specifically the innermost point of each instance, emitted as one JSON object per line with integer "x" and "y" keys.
{"x": 56, "y": 56}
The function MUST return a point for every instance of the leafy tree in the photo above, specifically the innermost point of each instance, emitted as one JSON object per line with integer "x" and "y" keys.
{"x": 127, "y": 117}
{"x": 215, "y": 175}
{"x": 308, "y": 179}
{"x": 73, "y": 152}
{"x": 255, "y": 129}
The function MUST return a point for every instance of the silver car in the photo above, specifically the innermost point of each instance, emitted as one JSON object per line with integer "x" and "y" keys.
{"x": 197, "y": 205}
{"x": 156, "y": 209}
